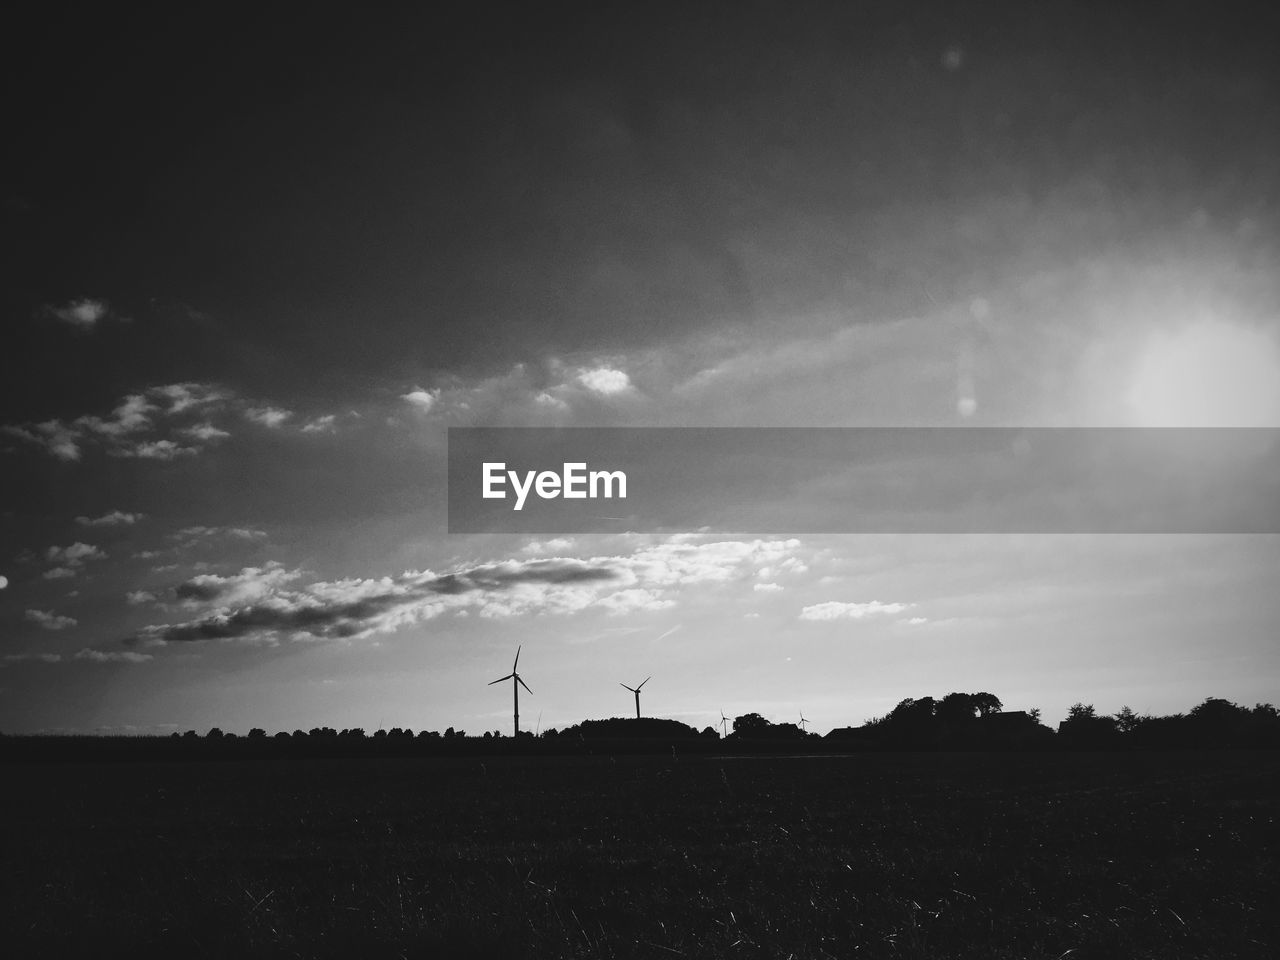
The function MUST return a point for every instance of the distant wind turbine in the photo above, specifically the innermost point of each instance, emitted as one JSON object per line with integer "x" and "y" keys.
{"x": 636, "y": 691}
{"x": 516, "y": 684}
{"x": 724, "y": 725}
{"x": 803, "y": 721}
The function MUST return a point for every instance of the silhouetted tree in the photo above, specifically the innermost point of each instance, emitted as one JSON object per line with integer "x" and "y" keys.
{"x": 257, "y": 733}
{"x": 214, "y": 734}
{"x": 956, "y": 707}
{"x": 1126, "y": 720}
{"x": 750, "y": 725}
{"x": 1083, "y": 726}
{"x": 987, "y": 704}
{"x": 913, "y": 714}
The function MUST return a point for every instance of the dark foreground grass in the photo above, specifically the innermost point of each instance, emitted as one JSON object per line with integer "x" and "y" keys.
{"x": 905, "y": 856}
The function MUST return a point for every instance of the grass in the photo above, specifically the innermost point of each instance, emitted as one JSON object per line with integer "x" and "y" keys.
{"x": 910, "y": 855}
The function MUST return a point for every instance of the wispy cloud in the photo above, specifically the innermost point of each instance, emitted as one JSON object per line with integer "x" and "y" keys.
{"x": 113, "y": 656}
{"x": 325, "y": 424}
{"x": 838, "y": 610}
{"x": 556, "y": 546}
{"x": 271, "y": 417}
{"x": 58, "y": 573}
{"x": 49, "y": 620}
{"x": 158, "y": 450}
{"x": 33, "y": 658}
{"x": 57, "y": 438}
{"x": 115, "y": 518}
{"x": 134, "y": 428}
{"x": 74, "y": 555}
{"x": 190, "y": 536}
{"x": 205, "y": 432}
{"x": 139, "y": 597}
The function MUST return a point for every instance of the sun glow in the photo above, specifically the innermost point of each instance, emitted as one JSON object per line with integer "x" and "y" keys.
{"x": 1209, "y": 374}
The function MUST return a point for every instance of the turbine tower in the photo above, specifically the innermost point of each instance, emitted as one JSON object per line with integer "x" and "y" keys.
{"x": 636, "y": 691}
{"x": 516, "y": 684}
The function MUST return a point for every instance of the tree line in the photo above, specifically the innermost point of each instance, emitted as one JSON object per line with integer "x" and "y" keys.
{"x": 956, "y": 721}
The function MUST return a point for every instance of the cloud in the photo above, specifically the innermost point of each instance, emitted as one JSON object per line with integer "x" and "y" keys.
{"x": 360, "y": 607}
{"x": 58, "y": 440}
{"x": 268, "y": 416}
{"x": 205, "y": 432}
{"x": 767, "y": 587}
{"x": 50, "y": 620}
{"x": 250, "y": 584}
{"x": 916, "y": 621}
{"x": 544, "y": 548}
{"x": 113, "y": 656}
{"x": 58, "y": 573}
{"x": 115, "y": 518}
{"x": 137, "y": 597}
{"x": 634, "y": 600}
{"x": 323, "y": 424}
{"x": 32, "y": 658}
{"x": 424, "y": 400}
{"x": 261, "y": 604}
{"x": 157, "y": 450}
{"x": 133, "y": 415}
{"x": 836, "y": 610}
{"x": 605, "y": 380}
{"x": 83, "y": 314}
{"x": 190, "y": 396}
{"x": 191, "y": 536}
{"x": 134, "y": 428}
{"x": 74, "y": 555}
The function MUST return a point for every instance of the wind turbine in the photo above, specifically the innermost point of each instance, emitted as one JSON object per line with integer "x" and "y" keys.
{"x": 803, "y": 721}
{"x": 636, "y": 691}
{"x": 724, "y": 725}
{"x": 516, "y": 684}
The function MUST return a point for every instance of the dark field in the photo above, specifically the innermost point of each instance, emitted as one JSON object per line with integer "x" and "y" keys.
{"x": 885, "y": 855}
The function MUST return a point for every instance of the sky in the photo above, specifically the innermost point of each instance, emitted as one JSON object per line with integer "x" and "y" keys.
{"x": 257, "y": 263}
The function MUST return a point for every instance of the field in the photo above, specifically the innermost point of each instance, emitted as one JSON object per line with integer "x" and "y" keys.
{"x": 887, "y": 855}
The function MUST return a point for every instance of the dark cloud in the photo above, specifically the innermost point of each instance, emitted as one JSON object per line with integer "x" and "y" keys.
{"x": 351, "y": 608}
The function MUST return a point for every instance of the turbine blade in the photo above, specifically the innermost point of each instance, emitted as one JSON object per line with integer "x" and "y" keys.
{"x": 525, "y": 685}
{"x": 646, "y": 680}
{"x": 517, "y": 663}
{"x": 625, "y": 687}
{"x": 500, "y": 679}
